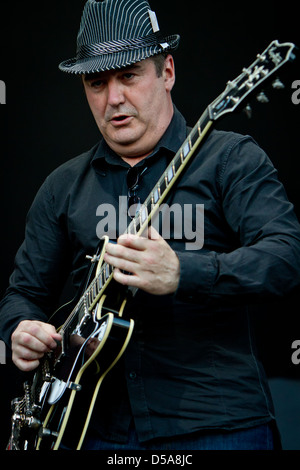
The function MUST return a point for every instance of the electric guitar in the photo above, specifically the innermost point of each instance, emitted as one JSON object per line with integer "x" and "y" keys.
{"x": 61, "y": 396}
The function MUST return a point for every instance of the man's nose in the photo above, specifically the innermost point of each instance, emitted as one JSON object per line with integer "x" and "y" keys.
{"x": 115, "y": 93}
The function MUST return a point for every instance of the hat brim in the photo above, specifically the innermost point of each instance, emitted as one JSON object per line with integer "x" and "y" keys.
{"x": 104, "y": 62}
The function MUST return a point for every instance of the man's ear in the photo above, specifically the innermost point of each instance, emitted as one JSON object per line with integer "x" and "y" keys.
{"x": 169, "y": 72}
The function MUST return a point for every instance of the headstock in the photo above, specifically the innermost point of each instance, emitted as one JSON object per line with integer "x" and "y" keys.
{"x": 251, "y": 80}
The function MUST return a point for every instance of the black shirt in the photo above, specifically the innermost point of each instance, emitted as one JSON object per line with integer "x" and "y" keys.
{"x": 191, "y": 363}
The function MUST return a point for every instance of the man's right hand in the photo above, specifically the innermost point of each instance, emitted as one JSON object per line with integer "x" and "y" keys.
{"x": 30, "y": 341}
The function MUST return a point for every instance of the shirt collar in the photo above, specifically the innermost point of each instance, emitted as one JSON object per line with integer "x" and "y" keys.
{"x": 171, "y": 141}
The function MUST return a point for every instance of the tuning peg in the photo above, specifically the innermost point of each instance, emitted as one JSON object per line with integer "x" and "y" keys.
{"x": 262, "y": 98}
{"x": 278, "y": 85}
{"x": 248, "y": 111}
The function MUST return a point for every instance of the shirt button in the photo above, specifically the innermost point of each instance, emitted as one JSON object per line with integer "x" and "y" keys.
{"x": 132, "y": 375}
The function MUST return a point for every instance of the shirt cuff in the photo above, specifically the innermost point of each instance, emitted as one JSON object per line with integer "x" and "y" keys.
{"x": 197, "y": 275}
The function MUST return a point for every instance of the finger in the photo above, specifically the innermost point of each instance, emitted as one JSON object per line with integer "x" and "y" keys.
{"x": 56, "y": 336}
{"x": 140, "y": 242}
{"x": 36, "y": 335}
{"x": 121, "y": 263}
{"x": 24, "y": 358}
{"x": 126, "y": 279}
{"x": 133, "y": 241}
{"x": 27, "y": 354}
{"x": 153, "y": 233}
{"x": 48, "y": 329}
{"x": 126, "y": 251}
{"x": 24, "y": 365}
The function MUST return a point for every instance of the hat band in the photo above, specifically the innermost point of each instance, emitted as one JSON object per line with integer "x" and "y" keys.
{"x": 86, "y": 51}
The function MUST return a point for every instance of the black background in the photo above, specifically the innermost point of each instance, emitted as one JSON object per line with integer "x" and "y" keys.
{"x": 46, "y": 121}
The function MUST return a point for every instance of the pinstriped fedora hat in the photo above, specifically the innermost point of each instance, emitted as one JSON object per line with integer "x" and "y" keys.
{"x": 115, "y": 34}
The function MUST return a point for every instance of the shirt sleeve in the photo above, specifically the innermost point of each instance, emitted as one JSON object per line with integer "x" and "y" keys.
{"x": 40, "y": 270}
{"x": 266, "y": 262}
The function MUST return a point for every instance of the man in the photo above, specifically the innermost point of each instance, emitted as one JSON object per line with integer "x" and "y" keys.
{"x": 190, "y": 377}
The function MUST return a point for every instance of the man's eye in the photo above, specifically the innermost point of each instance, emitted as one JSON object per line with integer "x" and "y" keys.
{"x": 96, "y": 83}
{"x": 128, "y": 75}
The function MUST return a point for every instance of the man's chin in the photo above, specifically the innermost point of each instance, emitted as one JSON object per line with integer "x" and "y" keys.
{"x": 127, "y": 144}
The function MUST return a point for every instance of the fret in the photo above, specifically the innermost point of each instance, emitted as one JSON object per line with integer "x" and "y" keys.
{"x": 156, "y": 194}
{"x": 203, "y": 122}
{"x": 195, "y": 134}
{"x": 143, "y": 214}
{"x": 149, "y": 206}
{"x": 94, "y": 290}
{"x": 132, "y": 227}
{"x": 107, "y": 271}
{"x": 103, "y": 275}
{"x": 170, "y": 174}
{"x": 176, "y": 164}
{"x": 90, "y": 296}
{"x": 138, "y": 225}
{"x": 163, "y": 185}
{"x": 87, "y": 298}
{"x": 186, "y": 149}
{"x": 199, "y": 128}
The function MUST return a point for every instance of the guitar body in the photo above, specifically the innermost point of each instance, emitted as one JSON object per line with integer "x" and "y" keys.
{"x": 56, "y": 409}
{"x": 71, "y": 396}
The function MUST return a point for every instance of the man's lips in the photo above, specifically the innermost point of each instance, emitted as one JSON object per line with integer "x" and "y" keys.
{"x": 120, "y": 119}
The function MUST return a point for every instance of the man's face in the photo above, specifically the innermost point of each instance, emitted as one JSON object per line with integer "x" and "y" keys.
{"x": 132, "y": 106}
